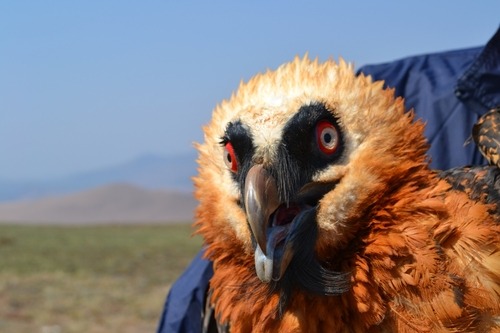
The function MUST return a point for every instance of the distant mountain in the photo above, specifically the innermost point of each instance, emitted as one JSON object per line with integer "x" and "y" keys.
{"x": 149, "y": 171}
{"x": 116, "y": 203}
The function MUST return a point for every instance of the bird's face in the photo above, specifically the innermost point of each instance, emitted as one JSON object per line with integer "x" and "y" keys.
{"x": 294, "y": 159}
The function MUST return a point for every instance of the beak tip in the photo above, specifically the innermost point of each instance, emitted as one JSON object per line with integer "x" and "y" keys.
{"x": 263, "y": 265}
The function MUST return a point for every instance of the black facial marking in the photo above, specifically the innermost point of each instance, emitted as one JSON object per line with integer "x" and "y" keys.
{"x": 242, "y": 141}
{"x": 299, "y": 156}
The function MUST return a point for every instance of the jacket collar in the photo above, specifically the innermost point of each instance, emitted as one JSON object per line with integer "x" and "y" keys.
{"x": 480, "y": 83}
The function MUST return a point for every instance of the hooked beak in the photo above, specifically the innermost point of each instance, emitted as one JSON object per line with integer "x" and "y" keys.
{"x": 275, "y": 225}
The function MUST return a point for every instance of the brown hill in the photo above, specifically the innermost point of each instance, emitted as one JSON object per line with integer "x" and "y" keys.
{"x": 117, "y": 203}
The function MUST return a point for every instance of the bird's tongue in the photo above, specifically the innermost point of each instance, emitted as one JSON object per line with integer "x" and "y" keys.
{"x": 270, "y": 265}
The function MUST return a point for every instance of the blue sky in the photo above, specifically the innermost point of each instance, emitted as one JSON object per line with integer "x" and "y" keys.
{"x": 87, "y": 84}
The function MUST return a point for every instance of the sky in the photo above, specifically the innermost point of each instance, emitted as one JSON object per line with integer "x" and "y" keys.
{"x": 90, "y": 84}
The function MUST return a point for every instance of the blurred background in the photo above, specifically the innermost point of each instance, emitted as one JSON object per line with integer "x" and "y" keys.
{"x": 100, "y": 103}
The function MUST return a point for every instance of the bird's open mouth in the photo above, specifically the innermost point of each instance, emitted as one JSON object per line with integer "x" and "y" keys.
{"x": 280, "y": 221}
{"x": 285, "y": 214}
{"x": 275, "y": 225}
{"x": 272, "y": 264}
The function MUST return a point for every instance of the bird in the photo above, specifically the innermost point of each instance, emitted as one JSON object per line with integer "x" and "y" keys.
{"x": 320, "y": 212}
{"x": 486, "y": 135}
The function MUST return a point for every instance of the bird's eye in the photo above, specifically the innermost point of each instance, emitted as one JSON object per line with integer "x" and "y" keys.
{"x": 327, "y": 137}
{"x": 230, "y": 157}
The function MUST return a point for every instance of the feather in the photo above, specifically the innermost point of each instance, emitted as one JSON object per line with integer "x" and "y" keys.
{"x": 486, "y": 135}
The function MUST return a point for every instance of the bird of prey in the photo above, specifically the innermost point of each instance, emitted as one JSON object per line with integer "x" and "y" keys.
{"x": 486, "y": 135}
{"x": 320, "y": 213}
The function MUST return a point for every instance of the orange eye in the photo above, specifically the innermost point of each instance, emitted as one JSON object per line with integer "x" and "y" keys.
{"x": 327, "y": 137}
{"x": 230, "y": 157}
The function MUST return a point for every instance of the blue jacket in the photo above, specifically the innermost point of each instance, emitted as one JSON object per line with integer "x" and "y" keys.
{"x": 449, "y": 90}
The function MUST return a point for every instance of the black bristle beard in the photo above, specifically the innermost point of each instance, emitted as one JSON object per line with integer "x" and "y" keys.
{"x": 305, "y": 272}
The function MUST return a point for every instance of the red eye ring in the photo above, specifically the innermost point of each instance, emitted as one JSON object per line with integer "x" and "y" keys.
{"x": 327, "y": 137}
{"x": 230, "y": 157}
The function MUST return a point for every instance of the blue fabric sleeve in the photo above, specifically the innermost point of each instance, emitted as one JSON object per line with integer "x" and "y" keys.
{"x": 185, "y": 301}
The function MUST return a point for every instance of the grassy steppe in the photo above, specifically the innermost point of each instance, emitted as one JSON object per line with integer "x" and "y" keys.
{"x": 89, "y": 279}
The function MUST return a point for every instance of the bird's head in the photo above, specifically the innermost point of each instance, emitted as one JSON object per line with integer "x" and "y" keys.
{"x": 293, "y": 162}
